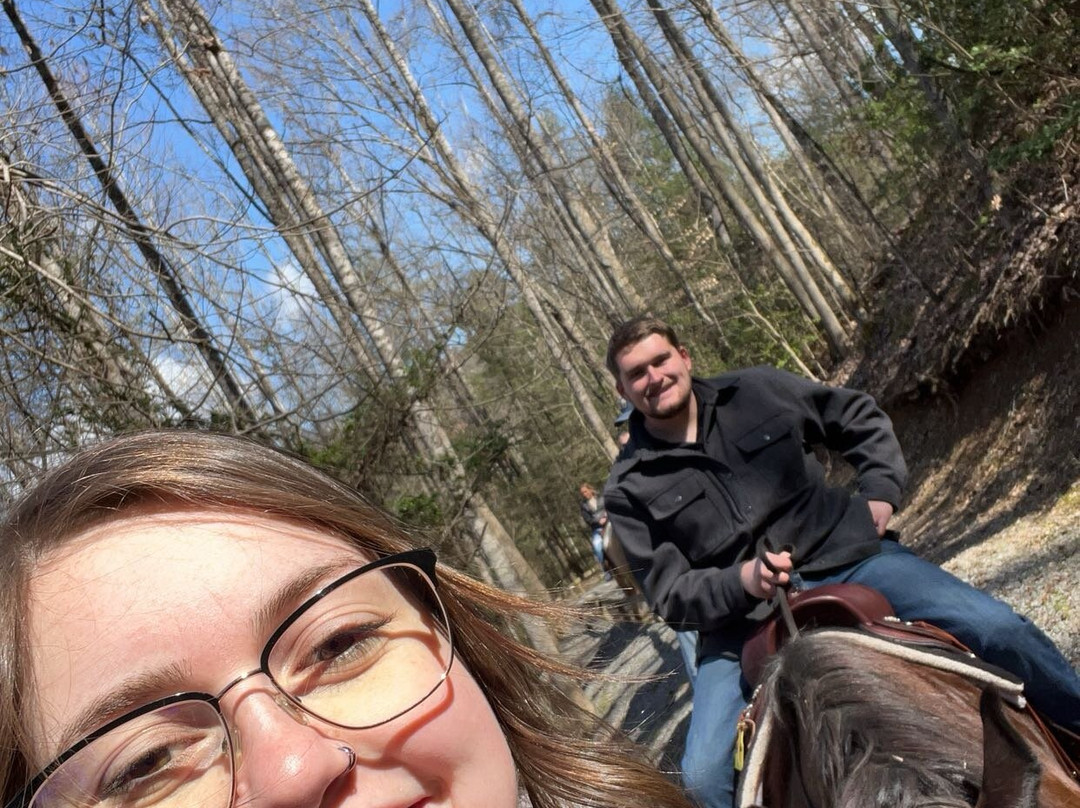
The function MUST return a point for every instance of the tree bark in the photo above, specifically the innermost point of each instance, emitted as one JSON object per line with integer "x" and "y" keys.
{"x": 468, "y": 202}
{"x": 633, "y": 53}
{"x": 550, "y": 169}
{"x": 617, "y": 184}
{"x": 743, "y": 154}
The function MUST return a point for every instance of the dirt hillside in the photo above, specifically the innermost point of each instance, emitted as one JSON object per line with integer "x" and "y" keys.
{"x": 980, "y": 371}
{"x": 995, "y": 476}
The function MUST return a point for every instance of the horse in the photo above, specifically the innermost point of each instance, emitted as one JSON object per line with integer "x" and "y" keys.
{"x": 845, "y": 720}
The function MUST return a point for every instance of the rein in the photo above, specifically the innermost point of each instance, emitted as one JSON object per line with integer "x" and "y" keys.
{"x": 779, "y": 600}
{"x": 746, "y": 727}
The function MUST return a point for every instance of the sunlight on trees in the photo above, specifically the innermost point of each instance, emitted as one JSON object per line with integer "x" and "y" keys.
{"x": 394, "y": 238}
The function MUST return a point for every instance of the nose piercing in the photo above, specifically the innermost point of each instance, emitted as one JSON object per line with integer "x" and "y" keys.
{"x": 351, "y": 755}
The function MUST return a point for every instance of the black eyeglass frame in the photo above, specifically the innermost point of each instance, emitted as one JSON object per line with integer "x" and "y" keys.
{"x": 423, "y": 559}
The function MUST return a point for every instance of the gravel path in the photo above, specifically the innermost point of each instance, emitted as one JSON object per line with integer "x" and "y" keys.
{"x": 1033, "y": 565}
{"x": 649, "y": 696}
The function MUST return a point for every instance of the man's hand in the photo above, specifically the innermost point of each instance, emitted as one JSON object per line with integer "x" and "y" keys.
{"x": 881, "y": 513}
{"x": 759, "y": 581}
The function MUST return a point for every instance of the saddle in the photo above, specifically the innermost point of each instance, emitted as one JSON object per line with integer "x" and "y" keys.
{"x": 843, "y": 605}
{"x": 836, "y": 605}
{"x": 865, "y": 616}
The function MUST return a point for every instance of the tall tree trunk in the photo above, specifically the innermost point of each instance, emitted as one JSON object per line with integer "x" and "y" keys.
{"x": 804, "y": 150}
{"x": 143, "y": 235}
{"x": 903, "y": 40}
{"x": 809, "y": 27}
{"x": 632, "y": 52}
{"x": 206, "y": 65}
{"x": 468, "y": 202}
{"x": 551, "y": 170}
{"x": 617, "y": 184}
{"x": 744, "y": 156}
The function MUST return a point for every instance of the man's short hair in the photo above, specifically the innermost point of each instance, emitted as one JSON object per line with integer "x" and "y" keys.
{"x": 634, "y": 331}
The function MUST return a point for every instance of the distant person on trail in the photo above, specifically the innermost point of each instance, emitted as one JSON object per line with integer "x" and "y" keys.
{"x": 592, "y": 512}
{"x": 717, "y": 470}
{"x": 625, "y": 408}
{"x": 608, "y": 551}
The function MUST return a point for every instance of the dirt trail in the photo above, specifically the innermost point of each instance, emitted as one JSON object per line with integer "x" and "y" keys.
{"x": 995, "y": 476}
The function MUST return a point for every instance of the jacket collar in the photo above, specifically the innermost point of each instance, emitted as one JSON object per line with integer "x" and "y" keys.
{"x": 710, "y": 393}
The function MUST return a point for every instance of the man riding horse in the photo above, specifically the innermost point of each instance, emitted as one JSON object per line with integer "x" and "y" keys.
{"x": 717, "y": 470}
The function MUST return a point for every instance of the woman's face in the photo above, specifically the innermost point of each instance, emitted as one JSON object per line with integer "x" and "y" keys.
{"x": 158, "y": 603}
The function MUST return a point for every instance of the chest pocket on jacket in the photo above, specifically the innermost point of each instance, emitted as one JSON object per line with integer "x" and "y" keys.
{"x": 675, "y": 498}
{"x": 774, "y": 449}
{"x": 687, "y": 517}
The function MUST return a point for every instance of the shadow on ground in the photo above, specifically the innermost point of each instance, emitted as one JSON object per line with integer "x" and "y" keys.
{"x": 648, "y": 694}
{"x": 1000, "y": 447}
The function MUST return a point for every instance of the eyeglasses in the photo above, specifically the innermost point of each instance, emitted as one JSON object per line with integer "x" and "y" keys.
{"x": 359, "y": 653}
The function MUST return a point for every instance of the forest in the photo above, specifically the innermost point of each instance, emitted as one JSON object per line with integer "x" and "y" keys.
{"x": 393, "y": 237}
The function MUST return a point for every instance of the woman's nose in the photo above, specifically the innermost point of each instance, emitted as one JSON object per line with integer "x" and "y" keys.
{"x": 283, "y": 757}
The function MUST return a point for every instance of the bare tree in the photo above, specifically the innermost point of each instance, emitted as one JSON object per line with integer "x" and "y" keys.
{"x": 641, "y": 66}
{"x": 142, "y": 234}
{"x": 318, "y": 249}
{"x": 617, "y": 184}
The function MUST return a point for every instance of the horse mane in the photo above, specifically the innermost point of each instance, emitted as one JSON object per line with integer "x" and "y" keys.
{"x": 865, "y": 730}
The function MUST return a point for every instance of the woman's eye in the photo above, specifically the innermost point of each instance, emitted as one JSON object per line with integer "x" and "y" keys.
{"x": 346, "y": 645}
{"x": 166, "y": 763}
{"x": 138, "y": 771}
{"x": 338, "y": 646}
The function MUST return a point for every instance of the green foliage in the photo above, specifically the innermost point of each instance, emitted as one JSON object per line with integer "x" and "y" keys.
{"x": 901, "y": 110}
{"x": 751, "y": 344}
{"x": 368, "y": 447}
{"x": 530, "y": 457}
{"x": 1039, "y": 144}
{"x": 419, "y": 510}
{"x": 482, "y": 449}
{"x": 994, "y": 58}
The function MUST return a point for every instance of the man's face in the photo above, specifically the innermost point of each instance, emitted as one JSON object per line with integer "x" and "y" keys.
{"x": 654, "y": 376}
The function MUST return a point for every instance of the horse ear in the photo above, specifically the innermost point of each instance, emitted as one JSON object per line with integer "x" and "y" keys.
{"x": 1011, "y": 770}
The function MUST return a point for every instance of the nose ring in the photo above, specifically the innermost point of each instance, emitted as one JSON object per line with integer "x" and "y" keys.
{"x": 351, "y": 755}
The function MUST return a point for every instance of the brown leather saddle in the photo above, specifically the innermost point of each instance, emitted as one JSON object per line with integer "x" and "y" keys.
{"x": 835, "y": 605}
{"x": 859, "y": 609}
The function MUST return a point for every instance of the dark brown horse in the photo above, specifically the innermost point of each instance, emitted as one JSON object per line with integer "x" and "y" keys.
{"x": 843, "y": 722}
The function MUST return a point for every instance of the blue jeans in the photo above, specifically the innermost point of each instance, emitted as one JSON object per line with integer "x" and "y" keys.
{"x": 688, "y": 649}
{"x": 918, "y": 590}
{"x": 597, "y": 542}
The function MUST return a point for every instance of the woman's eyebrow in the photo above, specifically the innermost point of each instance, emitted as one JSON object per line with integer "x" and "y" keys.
{"x": 132, "y": 692}
{"x": 287, "y": 597}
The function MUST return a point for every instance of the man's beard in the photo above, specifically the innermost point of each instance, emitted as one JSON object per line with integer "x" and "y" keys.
{"x": 671, "y": 410}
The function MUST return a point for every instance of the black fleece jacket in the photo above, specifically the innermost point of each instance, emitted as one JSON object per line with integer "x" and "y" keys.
{"x": 689, "y": 514}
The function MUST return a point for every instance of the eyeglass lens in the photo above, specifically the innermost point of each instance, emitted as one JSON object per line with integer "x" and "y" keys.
{"x": 362, "y": 655}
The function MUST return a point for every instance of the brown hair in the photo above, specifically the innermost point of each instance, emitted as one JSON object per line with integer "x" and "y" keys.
{"x": 634, "y": 331}
{"x": 565, "y": 756}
